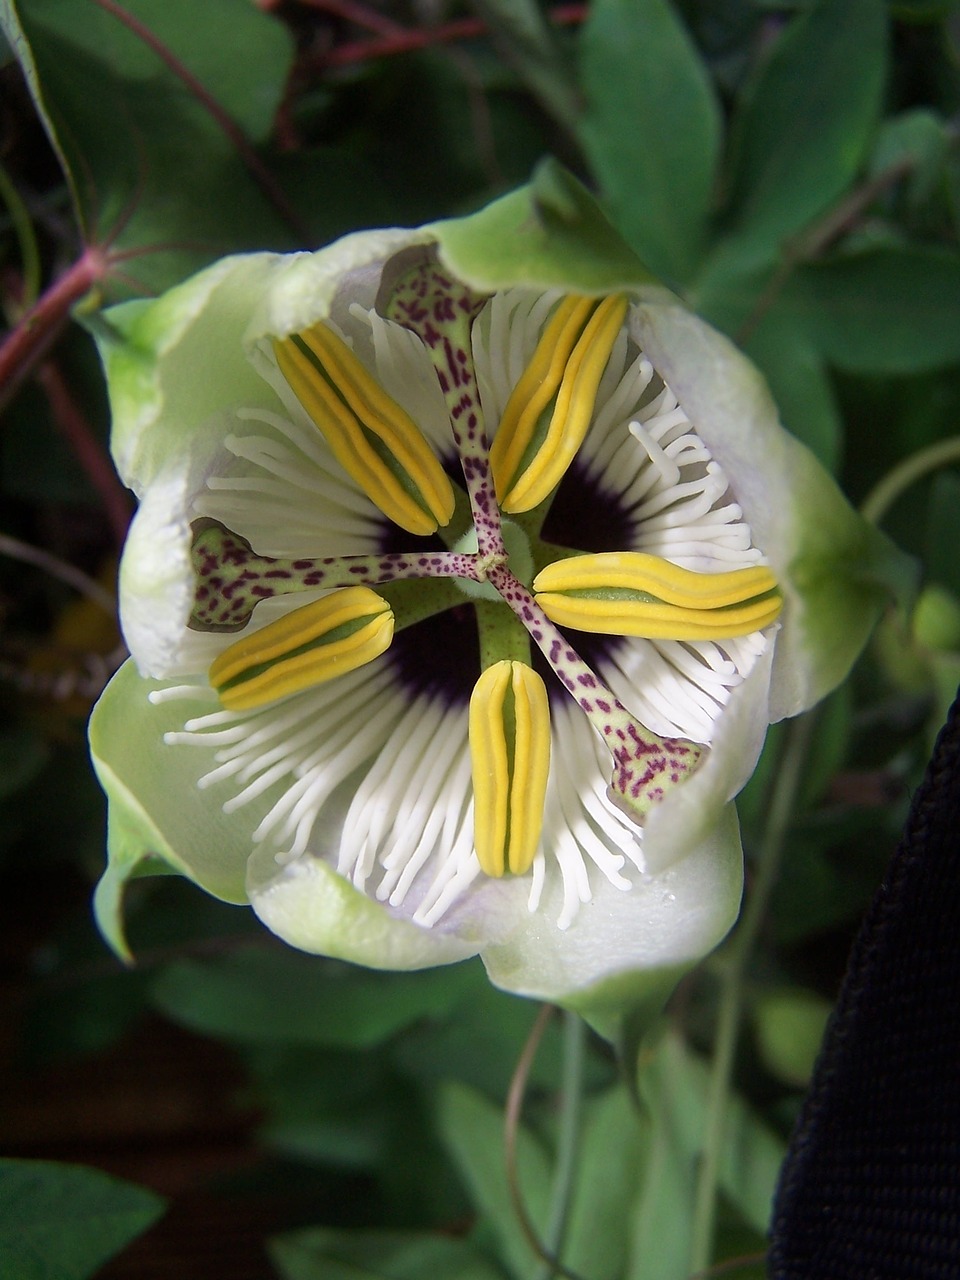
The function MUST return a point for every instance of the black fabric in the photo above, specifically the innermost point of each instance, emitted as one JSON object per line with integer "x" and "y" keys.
{"x": 870, "y": 1189}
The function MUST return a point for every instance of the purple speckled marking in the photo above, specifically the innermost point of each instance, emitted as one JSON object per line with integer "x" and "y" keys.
{"x": 643, "y": 761}
{"x": 232, "y": 579}
{"x": 441, "y": 310}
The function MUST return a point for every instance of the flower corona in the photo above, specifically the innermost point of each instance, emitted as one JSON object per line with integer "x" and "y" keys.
{"x": 536, "y": 440}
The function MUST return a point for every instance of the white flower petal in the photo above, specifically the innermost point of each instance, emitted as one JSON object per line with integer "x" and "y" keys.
{"x": 625, "y": 946}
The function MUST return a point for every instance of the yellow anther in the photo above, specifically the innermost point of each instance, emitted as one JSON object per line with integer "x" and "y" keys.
{"x": 537, "y": 386}
{"x": 315, "y": 643}
{"x": 631, "y": 593}
{"x": 510, "y": 752}
{"x": 373, "y": 439}
{"x": 567, "y": 366}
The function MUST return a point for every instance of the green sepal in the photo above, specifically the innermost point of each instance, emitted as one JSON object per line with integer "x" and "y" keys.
{"x": 110, "y": 893}
{"x": 550, "y": 234}
{"x": 145, "y": 830}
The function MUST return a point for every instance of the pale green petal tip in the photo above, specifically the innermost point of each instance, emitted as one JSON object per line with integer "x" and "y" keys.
{"x": 550, "y": 234}
{"x": 108, "y": 911}
{"x": 314, "y": 909}
{"x": 109, "y": 898}
{"x": 840, "y": 573}
{"x": 133, "y": 845}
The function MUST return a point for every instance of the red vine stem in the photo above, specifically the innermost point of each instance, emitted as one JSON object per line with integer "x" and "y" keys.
{"x": 36, "y": 331}
{"x": 404, "y": 41}
{"x": 359, "y": 14}
{"x": 258, "y": 171}
{"x": 86, "y": 448}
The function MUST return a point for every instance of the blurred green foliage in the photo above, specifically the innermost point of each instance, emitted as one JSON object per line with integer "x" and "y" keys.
{"x": 793, "y": 170}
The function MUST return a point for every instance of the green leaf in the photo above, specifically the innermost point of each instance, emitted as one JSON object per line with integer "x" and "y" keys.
{"x": 146, "y": 161}
{"x": 889, "y": 310}
{"x": 917, "y": 140}
{"x": 817, "y": 890}
{"x": 802, "y": 128}
{"x": 613, "y": 1152}
{"x": 324, "y": 1253}
{"x": 521, "y": 33}
{"x": 258, "y": 994}
{"x": 323, "y": 1106}
{"x": 832, "y": 720}
{"x": 922, "y": 10}
{"x": 472, "y": 1128}
{"x": 37, "y": 461}
{"x": 80, "y": 1018}
{"x": 946, "y": 672}
{"x": 61, "y": 1221}
{"x": 740, "y": 1252}
{"x": 480, "y": 1041}
{"x": 20, "y": 47}
{"x": 662, "y": 1218}
{"x": 679, "y": 1081}
{"x": 246, "y": 74}
{"x": 650, "y": 130}
{"x": 936, "y": 620}
{"x": 833, "y": 731}
{"x": 790, "y": 1027}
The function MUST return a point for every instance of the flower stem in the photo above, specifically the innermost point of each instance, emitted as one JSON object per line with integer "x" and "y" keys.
{"x": 573, "y": 1068}
{"x": 782, "y": 801}
{"x": 896, "y": 482}
{"x": 568, "y": 1138}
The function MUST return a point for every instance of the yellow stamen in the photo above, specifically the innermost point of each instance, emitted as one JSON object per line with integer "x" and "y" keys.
{"x": 568, "y": 364}
{"x": 373, "y": 439}
{"x": 531, "y": 765}
{"x": 631, "y": 593}
{"x": 331, "y": 636}
{"x": 537, "y": 386}
{"x": 510, "y": 751}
